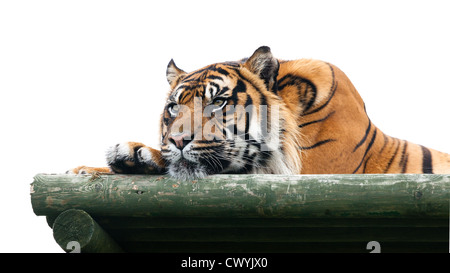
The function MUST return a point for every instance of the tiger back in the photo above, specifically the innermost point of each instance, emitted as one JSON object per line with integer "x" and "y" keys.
{"x": 338, "y": 135}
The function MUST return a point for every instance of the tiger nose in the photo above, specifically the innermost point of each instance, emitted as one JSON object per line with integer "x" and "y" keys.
{"x": 180, "y": 140}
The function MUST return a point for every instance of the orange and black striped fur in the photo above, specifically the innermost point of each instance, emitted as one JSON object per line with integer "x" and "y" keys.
{"x": 320, "y": 126}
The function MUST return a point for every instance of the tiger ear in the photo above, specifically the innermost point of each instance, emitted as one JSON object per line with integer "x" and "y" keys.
{"x": 173, "y": 73}
{"x": 263, "y": 64}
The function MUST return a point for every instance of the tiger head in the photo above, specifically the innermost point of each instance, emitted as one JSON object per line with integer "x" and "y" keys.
{"x": 224, "y": 118}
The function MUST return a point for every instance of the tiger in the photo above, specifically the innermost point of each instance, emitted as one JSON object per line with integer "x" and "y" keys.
{"x": 262, "y": 115}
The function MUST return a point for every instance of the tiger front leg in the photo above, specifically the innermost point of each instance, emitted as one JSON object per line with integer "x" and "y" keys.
{"x": 135, "y": 158}
{"x": 128, "y": 158}
{"x": 89, "y": 170}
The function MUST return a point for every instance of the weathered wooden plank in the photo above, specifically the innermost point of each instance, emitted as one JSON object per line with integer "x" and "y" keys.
{"x": 246, "y": 196}
{"x": 77, "y": 228}
{"x": 113, "y": 223}
{"x": 295, "y": 234}
{"x": 282, "y": 235}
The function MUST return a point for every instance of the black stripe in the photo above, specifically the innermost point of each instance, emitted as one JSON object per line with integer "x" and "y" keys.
{"x": 211, "y": 148}
{"x": 183, "y": 96}
{"x": 310, "y": 89}
{"x": 214, "y": 77}
{"x": 264, "y": 116}
{"x": 248, "y": 117}
{"x": 223, "y": 163}
{"x": 217, "y": 88}
{"x": 385, "y": 142}
{"x": 240, "y": 87}
{"x": 188, "y": 77}
{"x": 264, "y": 157}
{"x": 364, "y": 137}
{"x": 333, "y": 90}
{"x": 191, "y": 80}
{"x": 206, "y": 141}
{"x": 404, "y": 158}
{"x": 208, "y": 68}
{"x": 427, "y": 161}
{"x": 221, "y": 92}
{"x": 367, "y": 150}
{"x": 306, "y": 89}
{"x": 232, "y": 64}
{"x": 187, "y": 87}
{"x": 317, "y": 144}
{"x": 220, "y": 70}
{"x": 248, "y": 163}
{"x": 215, "y": 85}
{"x": 247, "y": 80}
{"x": 405, "y": 163}
{"x": 263, "y": 98}
{"x": 315, "y": 121}
{"x": 325, "y": 104}
{"x": 365, "y": 163}
{"x": 392, "y": 158}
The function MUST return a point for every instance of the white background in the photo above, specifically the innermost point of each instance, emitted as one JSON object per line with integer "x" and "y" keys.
{"x": 79, "y": 76}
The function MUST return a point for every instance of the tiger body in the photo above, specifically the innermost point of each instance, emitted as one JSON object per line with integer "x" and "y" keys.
{"x": 337, "y": 131}
{"x": 314, "y": 122}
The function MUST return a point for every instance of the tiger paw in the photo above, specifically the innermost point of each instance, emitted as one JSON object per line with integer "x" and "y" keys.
{"x": 134, "y": 158}
{"x": 88, "y": 170}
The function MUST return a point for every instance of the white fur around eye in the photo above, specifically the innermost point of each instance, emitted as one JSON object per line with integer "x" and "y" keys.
{"x": 211, "y": 91}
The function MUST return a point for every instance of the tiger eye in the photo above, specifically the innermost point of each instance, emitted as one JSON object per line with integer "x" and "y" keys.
{"x": 218, "y": 102}
{"x": 173, "y": 109}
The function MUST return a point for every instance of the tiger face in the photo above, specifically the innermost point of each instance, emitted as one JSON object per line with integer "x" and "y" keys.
{"x": 223, "y": 118}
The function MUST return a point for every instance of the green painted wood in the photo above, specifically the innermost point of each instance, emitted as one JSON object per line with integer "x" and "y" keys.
{"x": 75, "y": 230}
{"x": 276, "y": 234}
{"x": 246, "y": 196}
{"x": 282, "y": 235}
{"x": 122, "y": 223}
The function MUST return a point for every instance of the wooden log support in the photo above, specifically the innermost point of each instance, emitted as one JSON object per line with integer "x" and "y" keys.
{"x": 278, "y": 196}
{"x": 75, "y": 231}
{"x": 256, "y": 213}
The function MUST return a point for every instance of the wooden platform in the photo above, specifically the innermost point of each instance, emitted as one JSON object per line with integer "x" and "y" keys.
{"x": 246, "y": 213}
